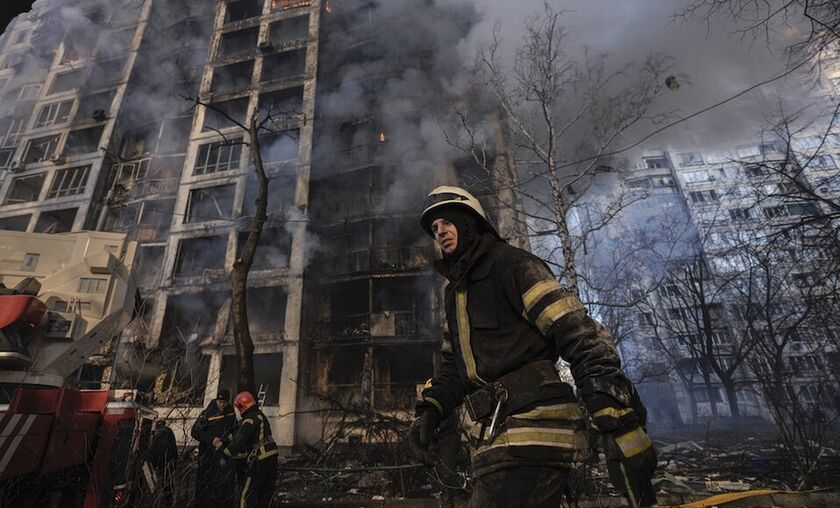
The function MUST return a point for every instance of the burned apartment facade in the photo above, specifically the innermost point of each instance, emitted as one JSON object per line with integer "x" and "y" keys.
{"x": 127, "y": 116}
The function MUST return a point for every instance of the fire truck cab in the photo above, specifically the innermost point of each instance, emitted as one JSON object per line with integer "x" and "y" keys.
{"x": 64, "y": 297}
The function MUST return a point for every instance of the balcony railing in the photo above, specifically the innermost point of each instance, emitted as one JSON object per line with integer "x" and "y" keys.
{"x": 355, "y": 327}
{"x": 383, "y": 259}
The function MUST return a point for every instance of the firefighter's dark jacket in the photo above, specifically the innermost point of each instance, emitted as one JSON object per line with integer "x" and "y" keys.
{"x": 252, "y": 439}
{"x": 504, "y": 311}
{"x": 212, "y": 423}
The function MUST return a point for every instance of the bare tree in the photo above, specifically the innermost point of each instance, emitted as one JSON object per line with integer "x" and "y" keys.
{"x": 562, "y": 118}
{"x": 762, "y": 19}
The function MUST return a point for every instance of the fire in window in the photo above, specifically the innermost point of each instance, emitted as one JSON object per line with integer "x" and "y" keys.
{"x": 218, "y": 156}
{"x": 41, "y": 149}
{"x": 55, "y": 113}
{"x": 25, "y": 189}
{"x": 69, "y": 182}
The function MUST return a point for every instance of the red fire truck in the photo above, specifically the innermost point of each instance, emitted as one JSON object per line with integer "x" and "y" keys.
{"x": 63, "y": 298}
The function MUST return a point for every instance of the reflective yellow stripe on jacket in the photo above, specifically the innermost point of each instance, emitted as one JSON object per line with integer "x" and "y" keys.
{"x": 463, "y": 319}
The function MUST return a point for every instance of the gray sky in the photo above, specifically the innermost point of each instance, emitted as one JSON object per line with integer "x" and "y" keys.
{"x": 717, "y": 64}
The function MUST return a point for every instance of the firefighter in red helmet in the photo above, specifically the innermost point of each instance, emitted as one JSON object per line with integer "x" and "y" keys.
{"x": 252, "y": 443}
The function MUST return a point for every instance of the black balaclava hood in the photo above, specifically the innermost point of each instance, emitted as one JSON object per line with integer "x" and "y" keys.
{"x": 467, "y": 225}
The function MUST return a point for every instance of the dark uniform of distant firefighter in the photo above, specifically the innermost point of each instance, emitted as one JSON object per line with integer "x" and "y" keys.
{"x": 507, "y": 322}
{"x": 215, "y": 486}
{"x": 252, "y": 442}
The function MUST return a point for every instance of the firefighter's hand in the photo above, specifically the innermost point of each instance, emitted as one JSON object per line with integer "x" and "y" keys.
{"x": 420, "y": 434}
{"x": 217, "y": 443}
{"x": 222, "y": 462}
{"x": 631, "y": 461}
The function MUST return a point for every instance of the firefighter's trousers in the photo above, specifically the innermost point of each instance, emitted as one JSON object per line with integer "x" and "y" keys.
{"x": 532, "y": 486}
{"x": 258, "y": 484}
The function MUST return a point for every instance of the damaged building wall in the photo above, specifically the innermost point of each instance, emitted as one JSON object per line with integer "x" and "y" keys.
{"x": 372, "y": 326}
{"x": 112, "y": 142}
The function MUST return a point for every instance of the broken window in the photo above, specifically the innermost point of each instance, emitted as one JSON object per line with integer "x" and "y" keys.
{"x": 30, "y": 92}
{"x": 281, "y": 104}
{"x": 6, "y": 155}
{"x": 272, "y": 249}
{"x": 210, "y": 203}
{"x": 10, "y": 130}
{"x": 196, "y": 255}
{"x": 267, "y": 374}
{"x": 155, "y": 219}
{"x": 51, "y": 114}
{"x": 25, "y": 189}
{"x": 242, "y": 9}
{"x": 66, "y": 81}
{"x": 106, "y": 73}
{"x": 176, "y": 133}
{"x": 41, "y": 149}
{"x": 218, "y": 156}
{"x": 233, "y": 77}
{"x": 238, "y": 43}
{"x": 192, "y": 316}
{"x": 69, "y": 182}
{"x": 289, "y": 31}
{"x": 281, "y": 195}
{"x": 349, "y": 311}
{"x": 183, "y": 370}
{"x": 286, "y": 65}
{"x": 123, "y": 217}
{"x": 95, "y": 107}
{"x": 267, "y": 309}
{"x": 139, "y": 142}
{"x": 282, "y": 146}
{"x": 56, "y": 221}
{"x": 222, "y": 115}
{"x": 150, "y": 273}
{"x": 82, "y": 141}
{"x": 16, "y": 223}
{"x": 114, "y": 43}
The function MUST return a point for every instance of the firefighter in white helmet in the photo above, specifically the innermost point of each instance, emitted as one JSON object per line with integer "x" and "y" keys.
{"x": 508, "y": 320}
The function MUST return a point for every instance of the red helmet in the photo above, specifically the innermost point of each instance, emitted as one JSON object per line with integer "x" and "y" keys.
{"x": 244, "y": 401}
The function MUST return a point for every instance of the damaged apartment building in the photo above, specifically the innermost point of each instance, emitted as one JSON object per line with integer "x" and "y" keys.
{"x": 127, "y": 116}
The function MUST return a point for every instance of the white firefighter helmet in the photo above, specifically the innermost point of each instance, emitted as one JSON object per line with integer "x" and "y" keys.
{"x": 445, "y": 196}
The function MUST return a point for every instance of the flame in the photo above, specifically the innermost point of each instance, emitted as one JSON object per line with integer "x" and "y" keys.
{"x": 381, "y": 137}
{"x": 328, "y": 6}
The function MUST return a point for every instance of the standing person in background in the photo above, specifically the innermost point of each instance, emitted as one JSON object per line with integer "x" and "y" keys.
{"x": 252, "y": 442}
{"x": 163, "y": 457}
{"x": 215, "y": 486}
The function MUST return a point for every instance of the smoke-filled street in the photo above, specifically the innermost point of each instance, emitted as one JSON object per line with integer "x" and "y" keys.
{"x": 419, "y": 253}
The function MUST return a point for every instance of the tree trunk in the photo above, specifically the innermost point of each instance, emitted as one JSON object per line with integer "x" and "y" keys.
{"x": 729, "y": 387}
{"x": 560, "y": 216}
{"x": 245, "y": 379}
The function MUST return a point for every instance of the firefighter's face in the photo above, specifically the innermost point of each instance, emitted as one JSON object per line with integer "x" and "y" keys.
{"x": 446, "y": 235}
{"x": 221, "y": 404}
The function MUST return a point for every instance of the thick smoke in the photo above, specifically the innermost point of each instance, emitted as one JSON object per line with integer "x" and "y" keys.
{"x": 718, "y": 63}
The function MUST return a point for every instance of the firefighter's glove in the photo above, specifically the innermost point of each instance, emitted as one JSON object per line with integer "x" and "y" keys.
{"x": 420, "y": 434}
{"x": 631, "y": 461}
